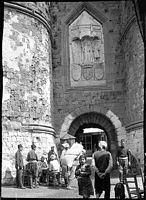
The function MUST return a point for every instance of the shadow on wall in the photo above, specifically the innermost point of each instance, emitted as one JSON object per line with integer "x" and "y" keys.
{"x": 8, "y": 178}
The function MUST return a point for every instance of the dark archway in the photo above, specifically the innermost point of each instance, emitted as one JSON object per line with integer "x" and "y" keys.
{"x": 96, "y": 120}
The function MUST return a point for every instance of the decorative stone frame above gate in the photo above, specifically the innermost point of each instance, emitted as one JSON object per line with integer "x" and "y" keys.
{"x": 84, "y": 27}
{"x": 86, "y": 51}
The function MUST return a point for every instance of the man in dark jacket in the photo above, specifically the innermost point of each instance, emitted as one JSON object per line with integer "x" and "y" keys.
{"x": 32, "y": 166}
{"x": 19, "y": 167}
{"x": 103, "y": 163}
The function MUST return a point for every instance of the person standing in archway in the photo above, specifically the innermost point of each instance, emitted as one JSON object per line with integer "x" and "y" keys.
{"x": 102, "y": 162}
{"x": 123, "y": 161}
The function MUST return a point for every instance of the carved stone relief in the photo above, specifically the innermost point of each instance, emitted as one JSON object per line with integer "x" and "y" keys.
{"x": 86, "y": 46}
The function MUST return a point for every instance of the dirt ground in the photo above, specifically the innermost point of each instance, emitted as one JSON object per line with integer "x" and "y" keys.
{"x": 54, "y": 191}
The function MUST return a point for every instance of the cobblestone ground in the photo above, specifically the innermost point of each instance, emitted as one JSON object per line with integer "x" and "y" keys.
{"x": 50, "y": 192}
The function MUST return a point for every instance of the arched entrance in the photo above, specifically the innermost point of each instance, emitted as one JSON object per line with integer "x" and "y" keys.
{"x": 95, "y": 116}
{"x": 95, "y": 120}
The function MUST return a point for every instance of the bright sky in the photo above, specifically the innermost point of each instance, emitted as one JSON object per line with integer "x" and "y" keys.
{"x": 92, "y": 130}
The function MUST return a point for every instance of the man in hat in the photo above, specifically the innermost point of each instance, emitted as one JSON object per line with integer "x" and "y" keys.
{"x": 19, "y": 167}
{"x": 32, "y": 169}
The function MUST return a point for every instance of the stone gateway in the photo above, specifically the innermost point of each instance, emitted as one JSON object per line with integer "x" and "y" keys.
{"x": 69, "y": 66}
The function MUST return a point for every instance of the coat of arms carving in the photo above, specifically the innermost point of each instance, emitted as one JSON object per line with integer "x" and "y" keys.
{"x": 86, "y": 46}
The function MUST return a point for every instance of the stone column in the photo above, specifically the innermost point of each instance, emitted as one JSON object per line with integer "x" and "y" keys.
{"x": 27, "y": 104}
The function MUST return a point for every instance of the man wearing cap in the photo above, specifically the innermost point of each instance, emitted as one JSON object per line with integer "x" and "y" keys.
{"x": 102, "y": 162}
{"x": 19, "y": 167}
{"x": 123, "y": 161}
{"x": 32, "y": 169}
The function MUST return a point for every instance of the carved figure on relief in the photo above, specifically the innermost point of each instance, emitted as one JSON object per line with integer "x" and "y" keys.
{"x": 76, "y": 51}
{"x": 96, "y": 43}
{"x": 88, "y": 58}
{"x": 76, "y": 59}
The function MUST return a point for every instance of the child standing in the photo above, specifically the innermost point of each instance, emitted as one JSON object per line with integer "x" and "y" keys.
{"x": 42, "y": 170}
{"x": 82, "y": 173}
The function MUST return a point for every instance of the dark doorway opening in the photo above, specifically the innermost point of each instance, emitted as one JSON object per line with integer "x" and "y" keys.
{"x": 90, "y": 138}
{"x": 96, "y": 120}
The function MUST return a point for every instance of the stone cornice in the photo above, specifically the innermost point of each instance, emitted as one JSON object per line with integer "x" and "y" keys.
{"x": 127, "y": 27}
{"x": 36, "y": 128}
{"x": 134, "y": 125}
{"x": 30, "y": 12}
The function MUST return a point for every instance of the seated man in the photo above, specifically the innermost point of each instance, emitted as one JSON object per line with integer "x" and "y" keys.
{"x": 42, "y": 170}
{"x": 54, "y": 168}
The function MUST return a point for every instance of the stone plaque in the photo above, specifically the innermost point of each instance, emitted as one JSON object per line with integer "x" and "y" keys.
{"x": 86, "y": 50}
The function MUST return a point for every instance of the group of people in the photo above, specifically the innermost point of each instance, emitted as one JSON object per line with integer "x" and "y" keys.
{"x": 102, "y": 163}
{"x": 36, "y": 169}
{"x": 72, "y": 164}
{"x": 32, "y": 166}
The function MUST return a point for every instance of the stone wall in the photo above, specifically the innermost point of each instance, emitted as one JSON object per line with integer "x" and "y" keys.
{"x": 10, "y": 140}
{"x": 27, "y": 103}
{"x": 123, "y": 93}
{"x": 27, "y": 69}
{"x": 133, "y": 52}
{"x": 134, "y": 74}
{"x": 136, "y": 143}
{"x": 42, "y": 8}
{"x": 66, "y": 98}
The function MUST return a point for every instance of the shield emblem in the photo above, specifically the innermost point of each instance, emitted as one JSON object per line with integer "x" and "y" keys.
{"x": 88, "y": 73}
{"x": 76, "y": 72}
{"x": 99, "y": 71}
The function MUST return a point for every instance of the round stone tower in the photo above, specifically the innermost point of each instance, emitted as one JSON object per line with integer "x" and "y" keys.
{"x": 27, "y": 104}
